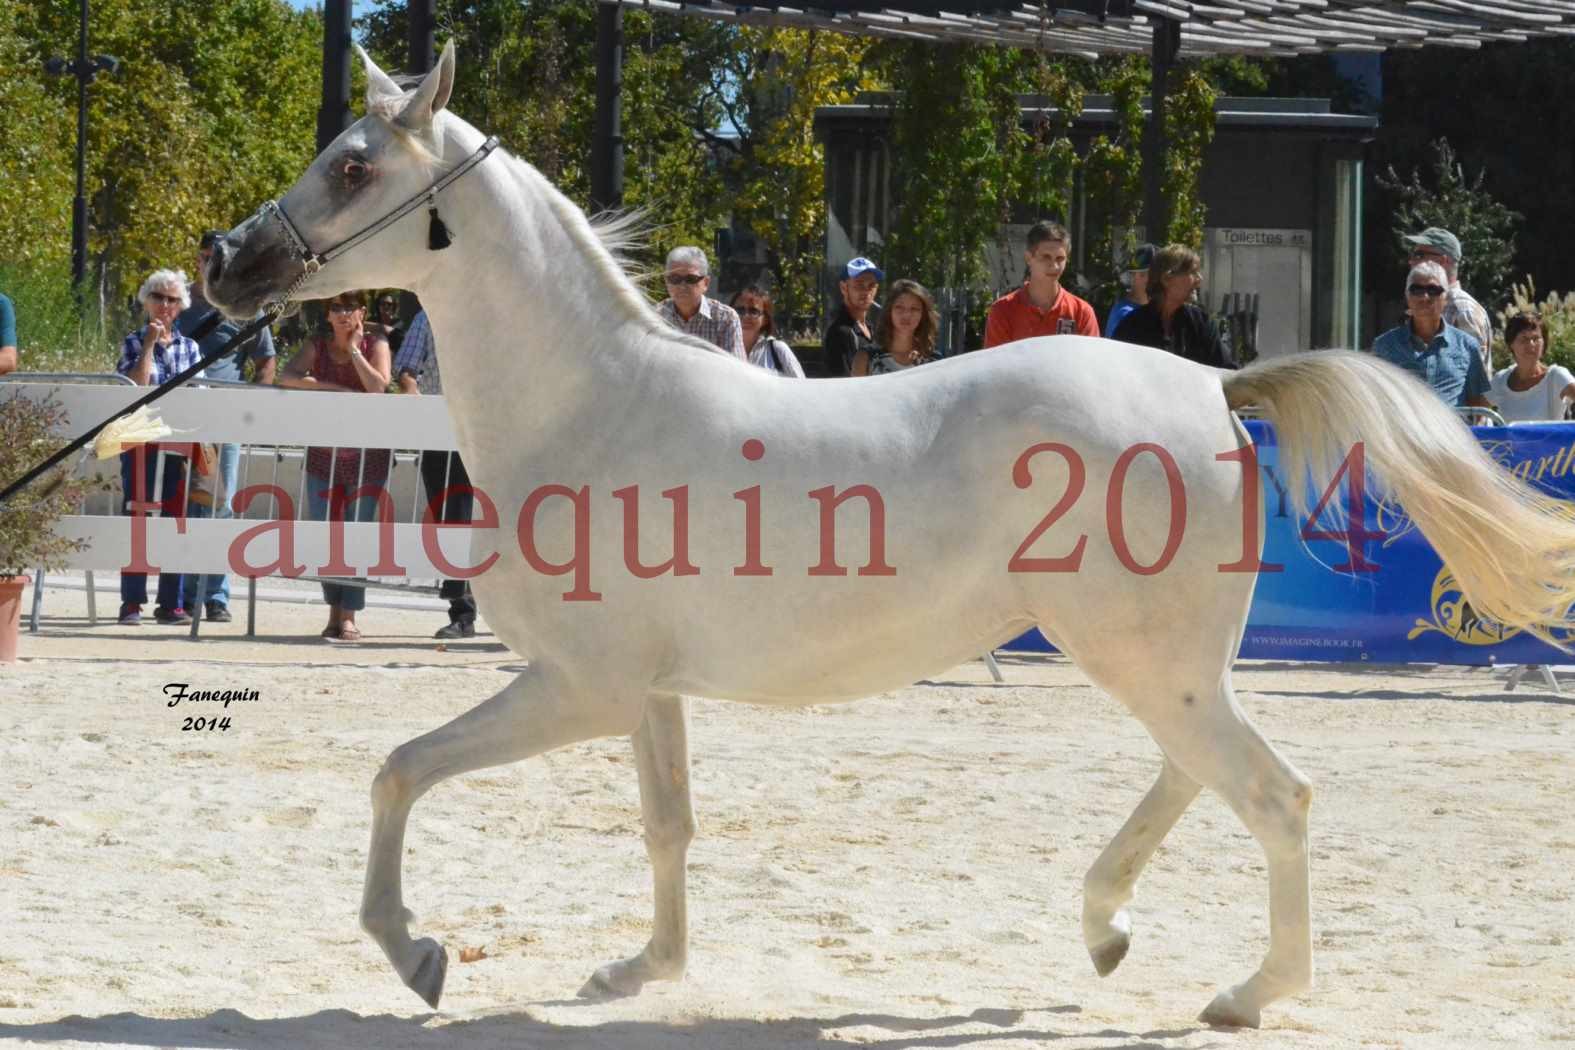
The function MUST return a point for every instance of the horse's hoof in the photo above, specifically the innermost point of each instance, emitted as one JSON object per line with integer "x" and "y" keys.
{"x": 616, "y": 980}
{"x": 1226, "y": 1012}
{"x": 1108, "y": 956}
{"x": 427, "y": 981}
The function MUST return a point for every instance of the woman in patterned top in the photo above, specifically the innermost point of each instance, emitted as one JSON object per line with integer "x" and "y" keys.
{"x": 907, "y": 330}
{"x": 345, "y": 481}
{"x": 149, "y": 356}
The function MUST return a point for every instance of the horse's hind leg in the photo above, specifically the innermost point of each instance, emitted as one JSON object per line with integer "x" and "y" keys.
{"x": 1197, "y": 723}
{"x": 538, "y": 711}
{"x": 661, "y": 752}
{"x": 1107, "y": 929}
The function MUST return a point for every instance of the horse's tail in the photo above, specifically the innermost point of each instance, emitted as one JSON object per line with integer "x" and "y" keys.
{"x": 1511, "y": 548}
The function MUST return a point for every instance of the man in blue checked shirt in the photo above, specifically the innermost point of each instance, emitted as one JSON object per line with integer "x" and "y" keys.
{"x": 150, "y": 355}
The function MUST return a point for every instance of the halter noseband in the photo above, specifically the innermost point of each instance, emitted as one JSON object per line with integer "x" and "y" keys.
{"x": 312, "y": 261}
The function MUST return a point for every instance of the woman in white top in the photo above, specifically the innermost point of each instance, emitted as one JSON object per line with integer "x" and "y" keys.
{"x": 907, "y": 330}
{"x": 1531, "y": 391}
{"x": 753, "y": 306}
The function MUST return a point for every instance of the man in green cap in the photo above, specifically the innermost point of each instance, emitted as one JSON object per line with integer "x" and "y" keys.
{"x": 1460, "y": 309}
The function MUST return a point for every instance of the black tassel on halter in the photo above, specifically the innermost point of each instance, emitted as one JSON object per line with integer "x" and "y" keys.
{"x": 437, "y": 233}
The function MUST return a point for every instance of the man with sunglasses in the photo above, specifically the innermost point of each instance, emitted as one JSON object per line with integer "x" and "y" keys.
{"x": 688, "y": 309}
{"x": 1461, "y": 310}
{"x": 1444, "y": 357}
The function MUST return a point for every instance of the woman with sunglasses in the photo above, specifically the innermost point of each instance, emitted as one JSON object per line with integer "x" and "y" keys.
{"x": 153, "y": 354}
{"x": 1531, "y": 390}
{"x": 1170, "y": 320}
{"x": 753, "y": 307}
{"x": 343, "y": 481}
{"x": 1442, "y": 356}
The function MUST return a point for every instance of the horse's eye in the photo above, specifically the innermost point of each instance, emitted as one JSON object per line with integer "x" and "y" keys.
{"x": 356, "y": 172}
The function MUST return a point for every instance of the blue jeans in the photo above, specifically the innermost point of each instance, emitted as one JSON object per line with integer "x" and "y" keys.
{"x": 215, "y": 586}
{"x": 319, "y": 494}
{"x": 134, "y": 585}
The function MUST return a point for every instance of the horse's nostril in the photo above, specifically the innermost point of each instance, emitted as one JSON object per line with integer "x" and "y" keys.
{"x": 215, "y": 264}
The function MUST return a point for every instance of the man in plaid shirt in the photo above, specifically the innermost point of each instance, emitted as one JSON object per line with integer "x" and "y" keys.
{"x": 690, "y": 310}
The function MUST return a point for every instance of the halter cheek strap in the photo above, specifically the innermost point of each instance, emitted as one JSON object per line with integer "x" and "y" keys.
{"x": 437, "y": 233}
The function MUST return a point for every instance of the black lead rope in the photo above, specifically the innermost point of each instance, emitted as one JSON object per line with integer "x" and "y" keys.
{"x": 153, "y": 395}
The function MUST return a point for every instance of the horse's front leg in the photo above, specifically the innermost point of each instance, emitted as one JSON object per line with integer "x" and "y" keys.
{"x": 539, "y": 711}
{"x": 661, "y": 753}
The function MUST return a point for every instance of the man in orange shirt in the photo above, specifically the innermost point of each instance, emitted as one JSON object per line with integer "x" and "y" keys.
{"x": 1041, "y": 306}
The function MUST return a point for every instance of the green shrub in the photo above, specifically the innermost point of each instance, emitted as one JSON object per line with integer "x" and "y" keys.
{"x": 51, "y": 335}
{"x": 27, "y": 437}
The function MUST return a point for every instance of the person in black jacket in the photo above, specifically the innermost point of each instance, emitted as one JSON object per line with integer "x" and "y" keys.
{"x": 1169, "y": 320}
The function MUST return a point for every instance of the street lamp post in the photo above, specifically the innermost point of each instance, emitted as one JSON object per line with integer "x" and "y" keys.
{"x": 84, "y": 69}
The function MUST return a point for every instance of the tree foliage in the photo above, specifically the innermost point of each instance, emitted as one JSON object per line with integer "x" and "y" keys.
{"x": 207, "y": 117}
{"x": 1449, "y": 198}
{"x": 769, "y": 86}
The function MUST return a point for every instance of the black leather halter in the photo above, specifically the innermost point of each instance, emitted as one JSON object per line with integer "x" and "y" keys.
{"x": 312, "y": 261}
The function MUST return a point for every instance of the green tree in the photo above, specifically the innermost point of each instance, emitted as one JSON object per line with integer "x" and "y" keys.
{"x": 1459, "y": 203}
{"x": 208, "y": 117}
{"x": 526, "y": 75}
{"x": 769, "y": 85}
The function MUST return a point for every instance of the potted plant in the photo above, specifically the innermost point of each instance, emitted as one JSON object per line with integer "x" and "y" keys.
{"x": 28, "y": 434}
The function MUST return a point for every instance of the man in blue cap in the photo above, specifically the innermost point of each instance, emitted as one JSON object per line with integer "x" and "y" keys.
{"x": 852, "y": 326}
{"x": 1438, "y": 245}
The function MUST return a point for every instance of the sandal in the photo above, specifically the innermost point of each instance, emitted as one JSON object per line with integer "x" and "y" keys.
{"x": 348, "y": 632}
{"x": 330, "y": 632}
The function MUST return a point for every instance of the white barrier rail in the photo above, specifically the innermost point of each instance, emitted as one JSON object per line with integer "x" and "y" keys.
{"x": 268, "y": 417}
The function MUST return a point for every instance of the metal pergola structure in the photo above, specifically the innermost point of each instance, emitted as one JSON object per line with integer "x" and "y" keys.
{"x": 1168, "y": 30}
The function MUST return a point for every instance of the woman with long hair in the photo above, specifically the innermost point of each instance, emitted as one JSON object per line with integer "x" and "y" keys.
{"x": 344, "y": 482}
{"x": 1170, "y": 320}
{"x": 906, "y": 333}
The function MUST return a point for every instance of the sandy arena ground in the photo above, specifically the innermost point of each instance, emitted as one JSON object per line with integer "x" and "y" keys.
{"x": 904, "y": 872}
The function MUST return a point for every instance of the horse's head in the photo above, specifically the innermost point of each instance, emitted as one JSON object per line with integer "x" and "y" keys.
{"x": 385, "y": 159}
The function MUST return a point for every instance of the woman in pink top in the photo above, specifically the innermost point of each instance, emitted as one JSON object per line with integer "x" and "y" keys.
{"x": 344, "y": 481}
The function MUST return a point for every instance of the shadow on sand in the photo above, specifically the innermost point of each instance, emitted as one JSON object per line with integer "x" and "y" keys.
{"x": 334, "y": 1029}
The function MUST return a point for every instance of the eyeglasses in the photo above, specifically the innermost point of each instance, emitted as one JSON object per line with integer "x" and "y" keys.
{"x": 1427, "y": 253}
{"x": 342, "y": 308}
{"x": 691, "y": 279}
{"x": 167, "y": 300}
{"x": 749, "y": 311}
{"x": 1425, "y": 291}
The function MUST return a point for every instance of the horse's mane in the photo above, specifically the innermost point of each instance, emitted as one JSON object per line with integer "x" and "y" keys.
{"x": 608, "y": 242}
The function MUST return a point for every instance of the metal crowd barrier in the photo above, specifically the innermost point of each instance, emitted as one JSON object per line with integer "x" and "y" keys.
{"x": 272, "y": 428}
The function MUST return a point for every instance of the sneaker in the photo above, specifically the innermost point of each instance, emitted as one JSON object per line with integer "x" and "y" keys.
{"x": 130, "y": 615}
{"x": 457, "y": 629}
{"x": 171, "y": 616}
{"x": 218, "y": 612}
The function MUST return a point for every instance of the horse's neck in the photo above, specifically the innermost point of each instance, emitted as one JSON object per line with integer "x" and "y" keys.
{"x": 540, "y": 318}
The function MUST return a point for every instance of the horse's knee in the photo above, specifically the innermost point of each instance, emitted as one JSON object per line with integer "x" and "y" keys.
{"x": 670, "y": 835}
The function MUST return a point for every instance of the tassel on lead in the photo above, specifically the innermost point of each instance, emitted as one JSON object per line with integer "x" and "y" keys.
{"x": 437, "y": 233}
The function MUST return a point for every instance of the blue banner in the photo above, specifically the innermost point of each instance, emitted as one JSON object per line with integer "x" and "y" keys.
{"x": 1407, "y": 609}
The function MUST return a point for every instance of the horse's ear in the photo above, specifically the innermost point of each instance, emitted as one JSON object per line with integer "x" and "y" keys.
{"x": 430, "y": 98}
{"x": 378, "y": 83}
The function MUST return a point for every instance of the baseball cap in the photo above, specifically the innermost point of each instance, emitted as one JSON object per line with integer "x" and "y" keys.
{"x": 1142, "y": 257}
{"x": 209, "y": 239}
{"x": 1441, "y": 239}
{"x": 859, "y": 266}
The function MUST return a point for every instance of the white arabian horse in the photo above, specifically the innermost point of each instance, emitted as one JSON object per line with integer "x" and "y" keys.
{"x": 681, "y": 535}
